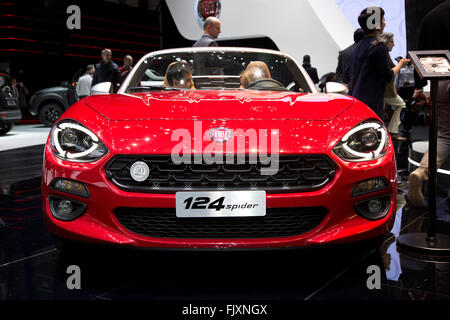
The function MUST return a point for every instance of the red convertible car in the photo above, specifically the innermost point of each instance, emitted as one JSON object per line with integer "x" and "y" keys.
{"x": 219, "y": 148}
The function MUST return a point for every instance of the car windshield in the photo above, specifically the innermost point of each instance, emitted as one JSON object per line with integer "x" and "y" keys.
{"x": 218, "y": 70}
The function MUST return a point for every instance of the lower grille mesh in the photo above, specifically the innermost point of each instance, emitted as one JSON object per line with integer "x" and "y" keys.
{"x": 163, "y": 223}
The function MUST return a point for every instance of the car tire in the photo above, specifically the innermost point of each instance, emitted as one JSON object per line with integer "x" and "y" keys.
{"x": 49, "y": 113}
{"x": 5, "y": 127}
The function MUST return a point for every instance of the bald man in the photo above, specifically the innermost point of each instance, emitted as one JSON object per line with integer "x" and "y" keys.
{"x": 211, "y": 29}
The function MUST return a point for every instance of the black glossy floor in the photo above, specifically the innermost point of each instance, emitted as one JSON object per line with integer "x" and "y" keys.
{"x": 32, "y": 268}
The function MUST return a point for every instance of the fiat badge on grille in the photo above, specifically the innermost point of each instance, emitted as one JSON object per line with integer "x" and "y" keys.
{"x": 221, "y": 134}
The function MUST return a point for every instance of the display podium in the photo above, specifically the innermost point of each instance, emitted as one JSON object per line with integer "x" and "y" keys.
{"x": 433, "y": 66}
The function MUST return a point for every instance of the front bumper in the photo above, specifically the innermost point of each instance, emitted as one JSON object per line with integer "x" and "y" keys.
{"x": 99, "y": 224}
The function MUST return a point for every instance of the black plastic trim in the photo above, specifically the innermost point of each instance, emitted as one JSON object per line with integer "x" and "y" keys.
{"x": 379, "y": 216}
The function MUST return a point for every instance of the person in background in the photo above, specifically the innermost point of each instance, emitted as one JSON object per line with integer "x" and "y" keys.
{"x": 257, "y": 70}
{"x": 257, "y": 77}
{"x": 344, "y": 57}
{"x": 369, "y": 68}
{"x": 84, "y": 82}
{"x": 211, "y": 29}
{"x": 309, "y": 69}
{"x": 107, "y": 71}
{"x": 15, "y": 90}
{"x": 21, "y": 92}
{"x": 433, "y": 35}
{"x": 391, "y": 98}
{"x": 127, "y": 66}
{"x": 404, "y": 81}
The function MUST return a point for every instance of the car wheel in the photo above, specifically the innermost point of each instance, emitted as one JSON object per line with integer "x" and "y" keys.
{"x": 5, "y": 127}
{"x": 49, "y": 113}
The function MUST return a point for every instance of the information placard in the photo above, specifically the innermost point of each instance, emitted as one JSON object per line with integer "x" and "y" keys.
{"x": 434, "y": 64}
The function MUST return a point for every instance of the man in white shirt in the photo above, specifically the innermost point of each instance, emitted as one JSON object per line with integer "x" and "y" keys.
{"x": 84, "y": 82}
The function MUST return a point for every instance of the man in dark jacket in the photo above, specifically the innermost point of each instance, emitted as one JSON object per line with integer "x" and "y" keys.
{"x": 211, "y": 29}
{"x": 433, "y": 35}
{"x": 309, "y": 69}
{"x": 345, "y": 56}
{"x": 369, "y": 67}
{"x": 107, "y": 71}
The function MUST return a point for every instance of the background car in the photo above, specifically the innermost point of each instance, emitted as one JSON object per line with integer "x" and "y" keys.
{"x": 9, "y": 109}
{"x": 48, "y": 104}
{"x": 112, "y": 171}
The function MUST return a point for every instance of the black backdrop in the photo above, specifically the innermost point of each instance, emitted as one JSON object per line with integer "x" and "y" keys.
{"x": 42, "y": 52}
{"x": 415, "y": 11}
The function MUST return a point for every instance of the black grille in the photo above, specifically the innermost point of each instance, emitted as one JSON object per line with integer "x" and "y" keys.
{"x": 295, "y": 173}
{"x": 163, "y": 223}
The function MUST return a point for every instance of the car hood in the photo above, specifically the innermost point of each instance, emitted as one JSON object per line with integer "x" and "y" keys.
{"x": 225, "y": 105}
{"x": 52, "y": 90}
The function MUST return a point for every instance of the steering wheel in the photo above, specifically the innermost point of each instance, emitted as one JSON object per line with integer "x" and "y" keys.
{"x": 272, "y": 84}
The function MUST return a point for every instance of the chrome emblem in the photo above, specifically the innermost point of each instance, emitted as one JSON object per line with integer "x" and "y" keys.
{"x": 220, "y": 134}
{"x": 139, "y": 171}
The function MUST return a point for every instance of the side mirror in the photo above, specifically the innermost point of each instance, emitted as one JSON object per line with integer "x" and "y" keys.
{"x": 101, "y": 88}
{"x": 335, "y": 87}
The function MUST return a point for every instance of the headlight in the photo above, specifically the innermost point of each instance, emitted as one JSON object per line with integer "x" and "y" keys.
{"x": 367, "y": 141}
{"x": 72, "y": 141}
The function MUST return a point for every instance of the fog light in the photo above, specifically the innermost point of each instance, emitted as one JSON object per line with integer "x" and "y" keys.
{"x": 65, "y": 209}
{"x": 371, "y": 185}
{"x": 375, "y": 208}
{"x": 70, "y": 186}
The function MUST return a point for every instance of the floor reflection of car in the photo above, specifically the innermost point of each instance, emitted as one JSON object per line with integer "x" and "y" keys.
{"x": 9, "y": 109}
{"x": 232, "y": 148}
{"x": 48, "y": 104}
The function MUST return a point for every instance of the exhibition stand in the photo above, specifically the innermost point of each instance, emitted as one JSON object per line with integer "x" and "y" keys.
{"x": 433, "y": 66}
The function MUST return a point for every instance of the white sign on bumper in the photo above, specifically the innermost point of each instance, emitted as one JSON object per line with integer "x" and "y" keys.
{"x": 220, "y": 204}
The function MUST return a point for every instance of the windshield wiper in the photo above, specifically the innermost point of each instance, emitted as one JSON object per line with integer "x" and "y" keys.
{"x": 154, "y": 87}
